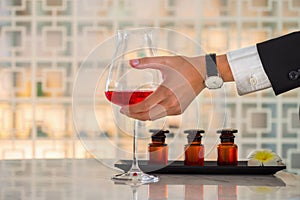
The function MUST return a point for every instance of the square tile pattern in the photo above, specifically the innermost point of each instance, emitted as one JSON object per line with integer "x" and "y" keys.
{"x": 43, "y": 43}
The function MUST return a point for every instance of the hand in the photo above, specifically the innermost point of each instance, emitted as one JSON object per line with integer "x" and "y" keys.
{"x": 182, "y": 82}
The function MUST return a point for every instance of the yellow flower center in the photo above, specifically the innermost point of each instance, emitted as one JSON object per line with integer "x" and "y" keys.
{"x": 264, "y": 156}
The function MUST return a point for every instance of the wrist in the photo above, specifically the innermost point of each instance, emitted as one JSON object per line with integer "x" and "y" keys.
{"x": 198, "y": 64}
{"x": 224, "y": 68}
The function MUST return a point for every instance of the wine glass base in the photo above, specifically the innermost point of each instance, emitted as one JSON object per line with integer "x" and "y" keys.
{"x": 135, "y": 177}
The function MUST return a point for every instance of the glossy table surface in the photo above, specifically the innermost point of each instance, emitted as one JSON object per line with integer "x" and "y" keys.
{"x": 89, "y": 179}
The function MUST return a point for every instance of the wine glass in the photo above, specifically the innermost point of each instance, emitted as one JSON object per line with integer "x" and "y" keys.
{"x": 126, "y": 86}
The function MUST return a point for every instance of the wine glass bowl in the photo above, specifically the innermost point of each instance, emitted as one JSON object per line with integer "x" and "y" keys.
{"x": 131, "y": 86}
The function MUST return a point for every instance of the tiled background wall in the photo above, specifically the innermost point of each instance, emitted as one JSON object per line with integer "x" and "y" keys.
{"x": 43, "y": 43}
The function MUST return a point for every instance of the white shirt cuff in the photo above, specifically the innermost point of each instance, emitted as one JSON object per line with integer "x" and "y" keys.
{"x": 247, "y": 70}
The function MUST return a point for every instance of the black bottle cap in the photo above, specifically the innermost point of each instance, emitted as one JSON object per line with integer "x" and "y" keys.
{"x": 194, "y": 135}
{"x": 227, "y": 134}
{"x": 158, "y": 134}
{"x": 227, "y": 131}
{"x": 194, "y": 131}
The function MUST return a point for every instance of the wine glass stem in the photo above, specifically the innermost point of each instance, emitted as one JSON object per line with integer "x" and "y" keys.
{"x": 134, "y": 194}
{"x": 135, "y": 165}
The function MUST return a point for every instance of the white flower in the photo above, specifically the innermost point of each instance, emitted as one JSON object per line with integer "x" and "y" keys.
{"x": 264, "y": 158}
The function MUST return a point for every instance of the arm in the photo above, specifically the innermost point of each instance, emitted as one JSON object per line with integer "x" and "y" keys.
{"x": 253, "y": 68}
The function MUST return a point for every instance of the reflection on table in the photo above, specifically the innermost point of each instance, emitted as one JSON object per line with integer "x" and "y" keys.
{"x": 89, "y": 179}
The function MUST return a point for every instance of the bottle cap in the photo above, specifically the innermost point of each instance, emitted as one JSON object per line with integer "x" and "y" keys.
{"x": 194, "y": 131}
{"x": 227, "y": 134}
{"x": 158, "y": 134}
{"x": 227, "y": 131}
{"x": 194, "y": 135}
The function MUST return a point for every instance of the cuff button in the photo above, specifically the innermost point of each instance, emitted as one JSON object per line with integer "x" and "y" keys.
{"x": 253, "y": 81}
{"x": 293, "y": 75}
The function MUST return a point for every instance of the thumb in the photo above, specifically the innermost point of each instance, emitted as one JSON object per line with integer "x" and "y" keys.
{"x": 148, "y": 62}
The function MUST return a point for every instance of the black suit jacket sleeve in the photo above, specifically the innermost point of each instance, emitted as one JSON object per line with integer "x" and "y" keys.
{"x": 281, "y": 61}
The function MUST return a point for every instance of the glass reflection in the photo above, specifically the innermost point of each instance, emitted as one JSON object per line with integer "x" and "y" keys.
{"x": 194, "y": 192}
{"x": 158, "y": 192}
{"x": 227, "y": 192}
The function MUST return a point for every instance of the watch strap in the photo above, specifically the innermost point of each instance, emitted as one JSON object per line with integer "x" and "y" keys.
{"x": 211, "y": 66}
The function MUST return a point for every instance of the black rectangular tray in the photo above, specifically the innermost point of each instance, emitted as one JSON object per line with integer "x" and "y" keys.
{"x": 210, "y": 167}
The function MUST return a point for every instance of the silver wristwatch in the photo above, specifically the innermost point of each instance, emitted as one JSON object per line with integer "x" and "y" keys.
{"x": 213, "y": 79}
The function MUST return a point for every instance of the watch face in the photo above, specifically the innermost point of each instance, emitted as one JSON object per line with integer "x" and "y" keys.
{"x": 214, "y": 82}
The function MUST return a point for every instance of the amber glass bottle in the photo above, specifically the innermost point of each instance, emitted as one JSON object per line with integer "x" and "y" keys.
{"x": 227, "y": 150}
{"x": 158, "y": 149}
{"x": 194, "y": 150}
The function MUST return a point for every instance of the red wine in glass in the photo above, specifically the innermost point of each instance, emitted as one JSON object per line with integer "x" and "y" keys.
{"x": 124, "y": 98}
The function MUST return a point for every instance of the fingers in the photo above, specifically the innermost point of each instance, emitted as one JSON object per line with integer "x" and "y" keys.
{"x": 157, "y": 96}
{"x": 161, "y": 103}
{"x": 158, "y": 111}
{"x": 149, "y": 62}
